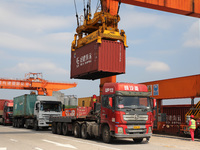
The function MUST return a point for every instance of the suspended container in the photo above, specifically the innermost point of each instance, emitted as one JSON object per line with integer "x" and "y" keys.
{"x": 98, "y": 60}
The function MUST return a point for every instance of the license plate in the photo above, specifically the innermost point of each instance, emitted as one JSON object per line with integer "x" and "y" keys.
{"x": 136, "y": 127}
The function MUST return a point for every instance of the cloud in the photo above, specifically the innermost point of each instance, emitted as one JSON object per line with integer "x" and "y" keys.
{"x": 45, "y": 67}
{"x": 192, "y": 36}
{"x": 149, "y": 66}
{"x": 13, "y": 19}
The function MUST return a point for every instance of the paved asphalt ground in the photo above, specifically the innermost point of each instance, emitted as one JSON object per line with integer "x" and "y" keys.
{"x": 27, "y": 139}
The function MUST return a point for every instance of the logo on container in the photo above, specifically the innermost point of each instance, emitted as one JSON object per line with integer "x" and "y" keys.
{"x": 83, "y": 60}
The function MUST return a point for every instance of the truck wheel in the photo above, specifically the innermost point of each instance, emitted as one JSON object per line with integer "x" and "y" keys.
{"x": 17, "y": 123}
{"x": 54, "y": 128}
{"x": 14, "y": 123}
{"x": 27, "y": 126}
{"x": 59, "y": 128}
{"x": 77, "y": 130}
{"x": 138, "y": 140}
{"x": 106, "y": 134}
{"x": 35, "y": 127}
{"x": 4, "y": 122}
{"x": 65, "y": 130}
{"x": 84, "y": 133}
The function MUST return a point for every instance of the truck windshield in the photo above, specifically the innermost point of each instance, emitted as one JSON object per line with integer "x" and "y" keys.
{"x": 50, "y": 106}
{"x": 133, "y": 102}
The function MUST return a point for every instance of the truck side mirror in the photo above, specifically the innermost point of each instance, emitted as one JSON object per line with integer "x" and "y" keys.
{"x": 110, "y": 101}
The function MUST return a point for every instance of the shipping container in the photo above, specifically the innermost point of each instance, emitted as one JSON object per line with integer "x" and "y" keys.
{"x": 175, "y": 117}
{"x": 95, "y": 61}
{"x": 175, "y": 114}
{"x": 86, "y": 101}
{"x": 24, "y": 105}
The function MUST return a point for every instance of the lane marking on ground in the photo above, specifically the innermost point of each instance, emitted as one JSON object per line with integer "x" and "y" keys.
{"x": 85, "y": 142}
{"x": 13, "y": 140}
{"x": 37, "y": 148}
{"x": 59, "y": 144}
{"x": 3, "y": 148}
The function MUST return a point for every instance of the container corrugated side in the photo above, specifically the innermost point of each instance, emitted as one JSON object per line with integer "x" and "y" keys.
{"x": 95, "y": 61}
{"x": 24, "y": 105}
{"x": 175, "y": 114}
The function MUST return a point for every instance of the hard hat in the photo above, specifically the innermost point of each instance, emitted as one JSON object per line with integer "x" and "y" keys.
{"x": 192, "y": 116}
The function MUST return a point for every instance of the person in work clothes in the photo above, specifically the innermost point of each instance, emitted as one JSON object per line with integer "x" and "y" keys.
{"x": 192, "y": 126}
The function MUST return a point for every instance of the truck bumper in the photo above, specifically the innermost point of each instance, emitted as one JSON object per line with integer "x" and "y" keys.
{"x": 132, "y": 135}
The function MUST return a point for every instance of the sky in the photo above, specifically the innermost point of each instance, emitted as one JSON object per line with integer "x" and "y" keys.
{"x": 36, "y": 36}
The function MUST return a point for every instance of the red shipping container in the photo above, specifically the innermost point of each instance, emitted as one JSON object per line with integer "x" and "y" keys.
{"x": 176, "y": 113}
{"x": 95, "y": 61}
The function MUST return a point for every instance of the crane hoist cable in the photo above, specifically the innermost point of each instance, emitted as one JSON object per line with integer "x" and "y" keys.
{"x": 76, "y": 13}
{"x": 84, "y": 9}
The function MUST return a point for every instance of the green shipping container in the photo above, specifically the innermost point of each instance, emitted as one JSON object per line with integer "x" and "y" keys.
{"x": 24, "y": 105}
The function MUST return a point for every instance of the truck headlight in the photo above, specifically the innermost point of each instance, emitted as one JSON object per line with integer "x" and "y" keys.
{"x": 120, "y": 130}
{"x": 150, "y": 130}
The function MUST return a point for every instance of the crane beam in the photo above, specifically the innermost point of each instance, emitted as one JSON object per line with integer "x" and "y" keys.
{"x": 38, "y": 84}
{"x": 182, "y": 87}
{"x": 183, "y": 7}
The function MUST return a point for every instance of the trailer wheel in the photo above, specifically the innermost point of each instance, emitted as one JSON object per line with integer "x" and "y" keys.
{"x": 14, "y": 123}
{"x": 106, "y": 134}
{"x": 138, "y": 140}
{"x": 4, "y": 122}
{"x": 84, "y": 133}
{"x": 65, "y": 130}
{"x": 27, "y": 126}
{"x": 35, "y": 126}
{"x": 18, "y": 123}
{"x": 54, "y": 128}
{"x": 77, "y": 130}
{"x": 59, "y": 128}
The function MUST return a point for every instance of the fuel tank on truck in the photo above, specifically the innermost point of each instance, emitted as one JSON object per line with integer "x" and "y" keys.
{"x": 98, "y": 60}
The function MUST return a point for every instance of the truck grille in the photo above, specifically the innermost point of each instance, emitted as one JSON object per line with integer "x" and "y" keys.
{"x": 135, "y": 117}
{"x": 48, "y": 116}
{"x": 141, "y": 130}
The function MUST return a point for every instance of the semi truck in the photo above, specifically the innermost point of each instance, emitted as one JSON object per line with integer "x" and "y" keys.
{"x": 6, "y": 111}
{"x": 34, "y": 111}
{"x": 124, "y": 111}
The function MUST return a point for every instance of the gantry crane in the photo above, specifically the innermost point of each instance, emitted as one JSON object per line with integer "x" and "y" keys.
{"x": 34, "y": 81}
{"x": 104, "y": 24}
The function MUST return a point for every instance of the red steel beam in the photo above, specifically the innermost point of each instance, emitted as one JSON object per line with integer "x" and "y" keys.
{"x": 183, "y": 7}
{"x": 183, "y": 87}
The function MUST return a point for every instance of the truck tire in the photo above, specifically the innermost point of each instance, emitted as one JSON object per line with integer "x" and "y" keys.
{"x": 54, "y": 128}
{"x": 18, "y": 123}
{"x": 77, "y": 130}
{"x": 84, "y": 133}
{"x": 4, "y": 122}
{"x": 106, "y": 134}
{"x": 59, "y": 128}
{"x": 65, "y": 130}
{"x": 138, "y": 140}
{"x": 14, "y": 123}
{"x": 35, "y": 126}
